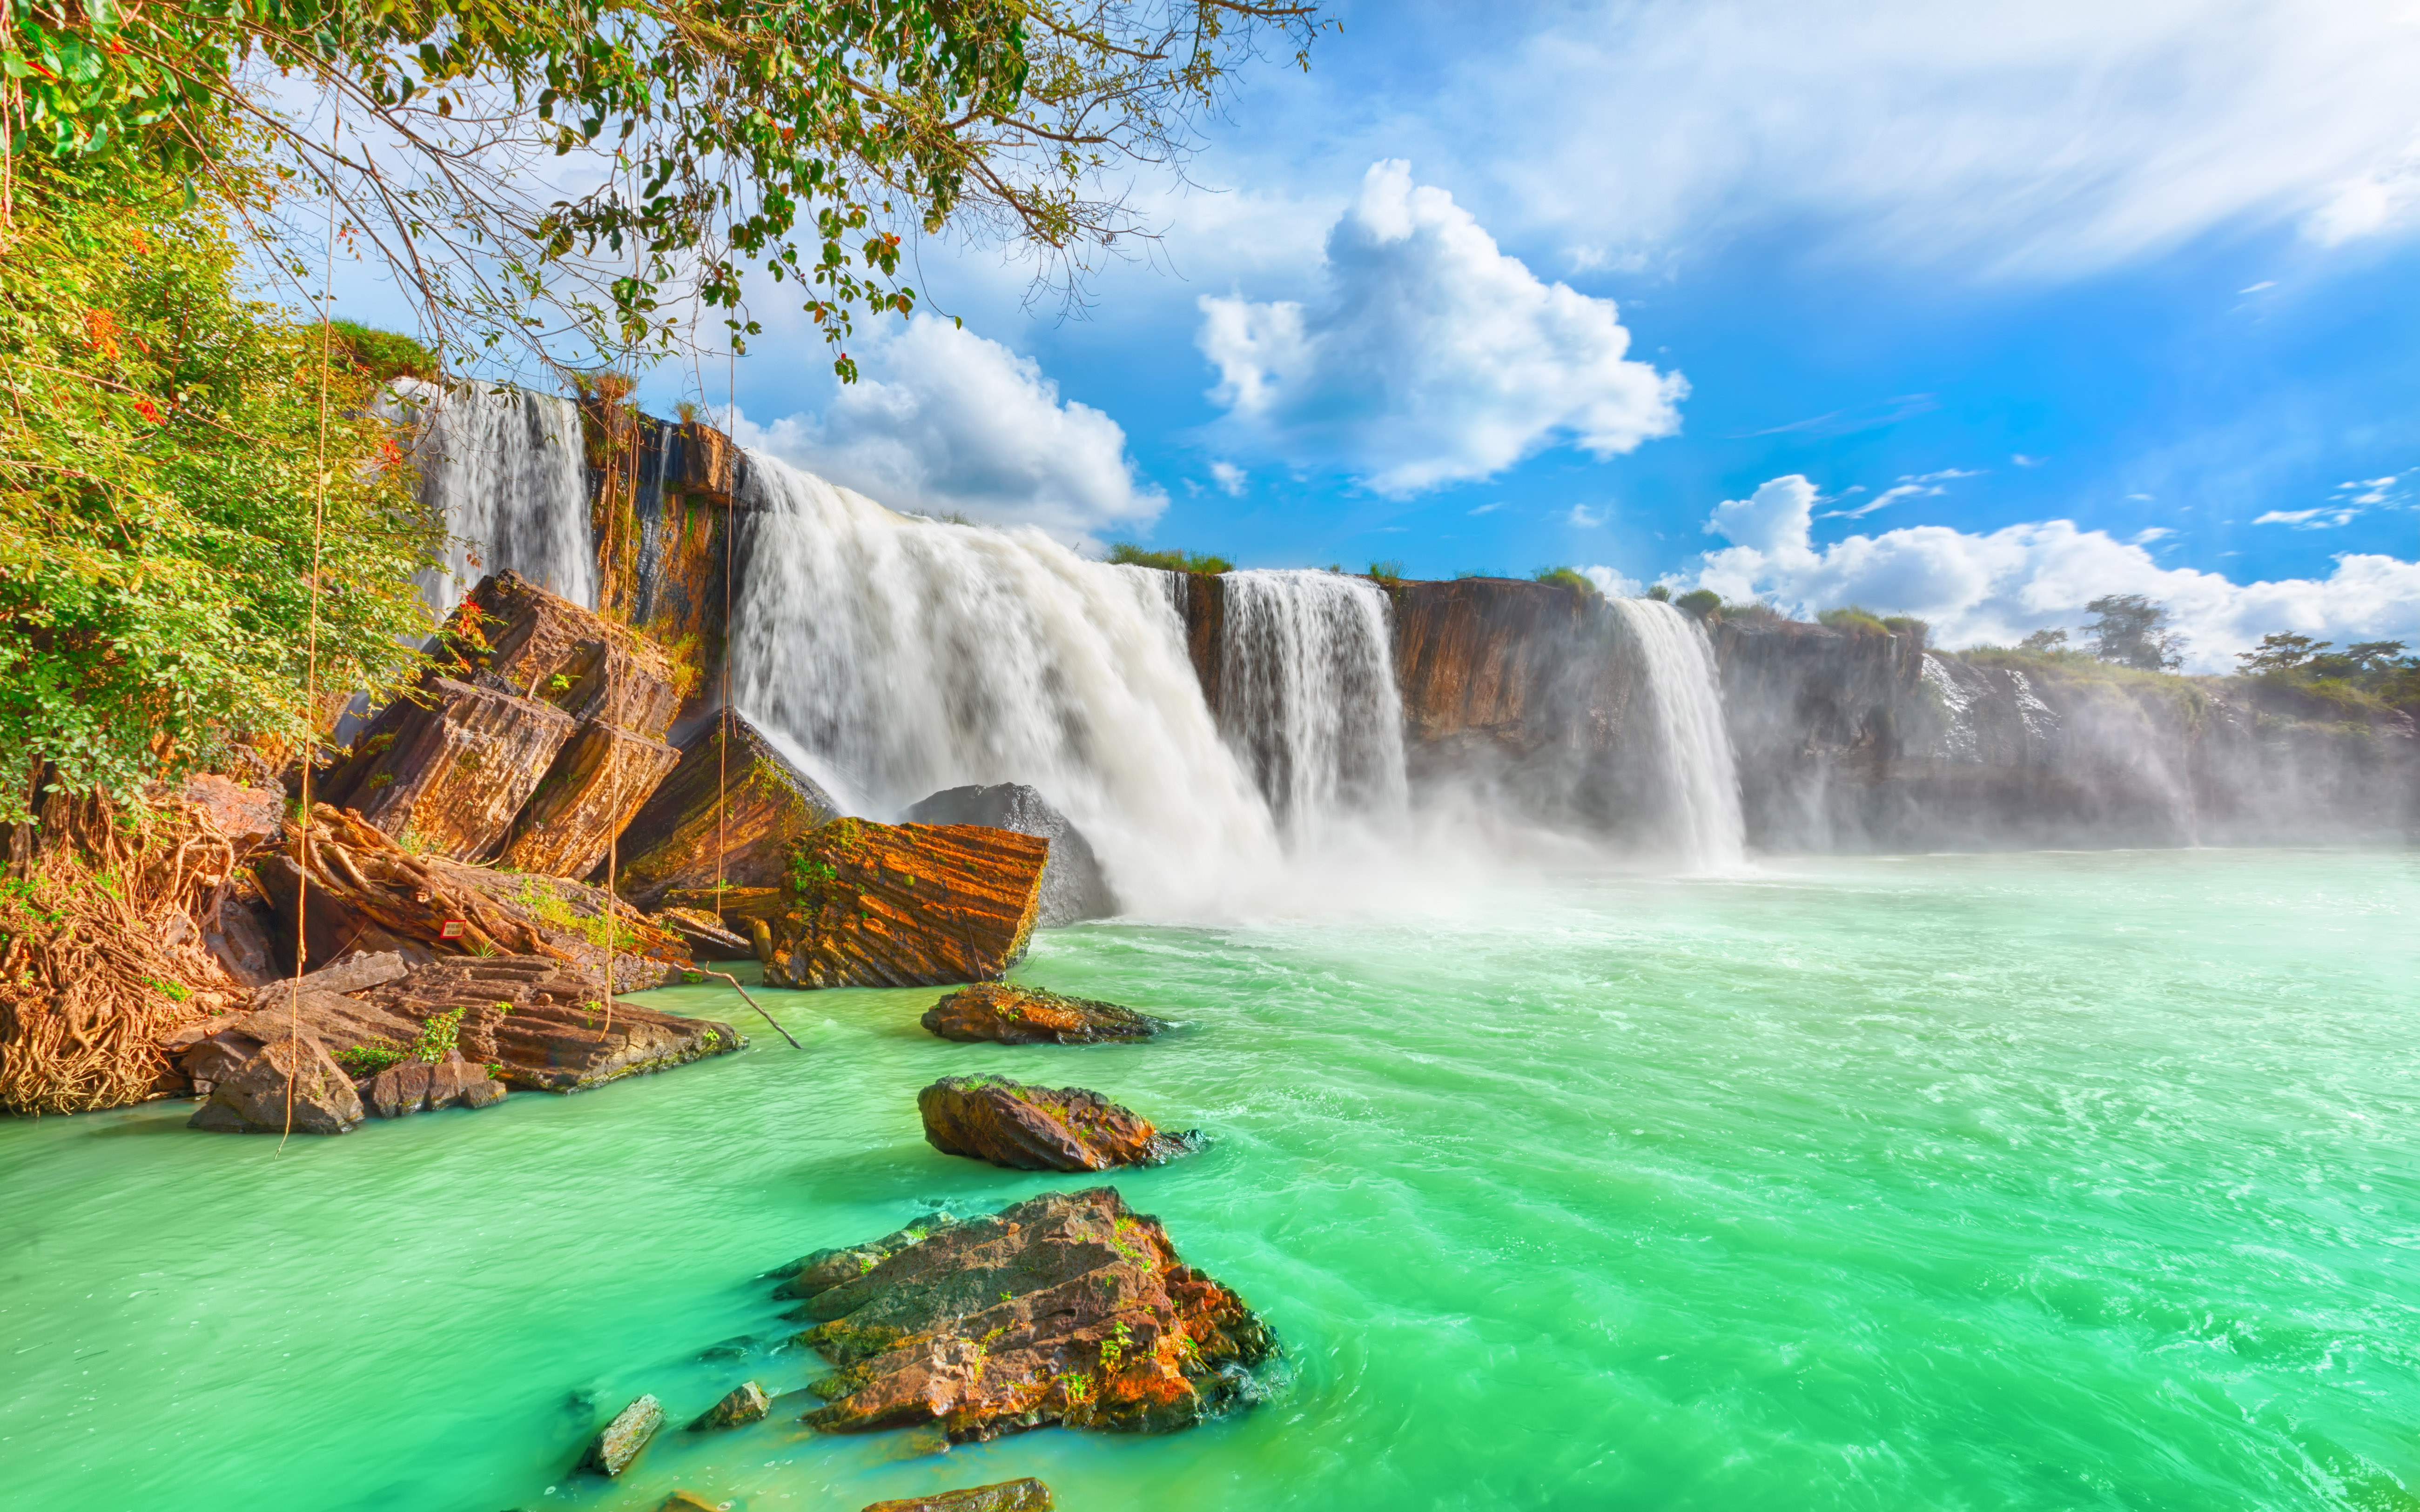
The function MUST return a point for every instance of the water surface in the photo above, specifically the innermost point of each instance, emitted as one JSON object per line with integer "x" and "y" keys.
{"x": 2050, "y": 1180}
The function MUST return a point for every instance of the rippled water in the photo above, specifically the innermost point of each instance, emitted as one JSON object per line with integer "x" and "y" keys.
{"x": 2050, "y": 1181}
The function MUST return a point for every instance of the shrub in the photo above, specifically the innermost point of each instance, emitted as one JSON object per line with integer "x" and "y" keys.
{"x": 1566, "y": 578}
{"x": 1852, "y": 618}
{"x": 1127, "y": 554}
{"x": 1387, "y": 572}
{"x": 1698, "y": 601}
{"x": 385, "y": 355}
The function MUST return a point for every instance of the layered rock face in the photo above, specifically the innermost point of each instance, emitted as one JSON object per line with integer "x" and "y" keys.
{"x": 1073, "y": 886}
{"x": 1027, "y": 1495}
{"x": 904, "y": 906}
{"x": 1066, "y": 1308}
{"x": 1040, "y": 1128}
{"x": 287, "y": 1080}
{"x": 1001, "y": 1014}
{"x": 667, "y": 853}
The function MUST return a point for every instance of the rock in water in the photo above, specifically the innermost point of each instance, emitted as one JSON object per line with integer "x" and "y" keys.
{"x": 828, "y": 1268}
{"x": 1064, "y": 1308}
{"x": 254, "y": 1096}
{"x": 414, "y": 1086}
{"x": 746, "y": 1404}
{"x": 1003, "y": 1014}
{"x": 766, "y": 803}
{"x": 1073, "y": 886}
{"x": 904, "y": 905}
{"x": 1027, "y": 1495}
{"x": 1039, "y": 1128}
{"x": 449, "y": 768}
{"x": 620, "y": 1440}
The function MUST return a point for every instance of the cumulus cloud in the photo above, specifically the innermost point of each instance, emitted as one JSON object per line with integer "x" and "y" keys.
{"x": 1229, "y": 478}
{"x": 1998, "y": 587}
{"x": 2049, "y": 138}
{"x": 1429, "y": 357}
{"x": 943, "y": 420}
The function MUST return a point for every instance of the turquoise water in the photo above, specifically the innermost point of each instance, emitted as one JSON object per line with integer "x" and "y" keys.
{"x": 2052, "y": 1181}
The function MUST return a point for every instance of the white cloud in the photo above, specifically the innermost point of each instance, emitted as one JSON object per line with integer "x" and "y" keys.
{"x": 2308, "y": 519}
{"x": 1229, "y": 477}
{"x": 1999, "y": 586}
{"x": 1582, "y": 517}
{"x": 2145, "y": 538}
{"x": 1429, "y": 357}
{"x": 2044, "y": 138}
{"x": 944, "y": 420}
{"x": 1613, "y": 584}
{"x": 1910, "y": 486}
{"x": 1490, "y": 509}
{"x": 2021, "y": 460}
{"x": 2266, "y": 282}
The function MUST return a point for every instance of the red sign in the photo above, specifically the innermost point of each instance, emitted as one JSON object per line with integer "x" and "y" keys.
{"x": 450, "y": 929}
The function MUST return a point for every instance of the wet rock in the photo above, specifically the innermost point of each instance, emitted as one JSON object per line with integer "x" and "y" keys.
{"x": 746, "y": 1403}
{"x": 1027, "y": 1495}
{"x": 596, "y": 783}
{"x": 690, "y": 1502}
{"x": 412, "y": 1086}
{"x": 667, "y": 852}
{"x": 1065, "y": 1308}
{"x": 288, "y": 1074}
{"x": 828, "y": 1268}
{"x": 448, "y": 766}
{"x": 1003, "y": 1014}
{"x": 904, "y": 905}
{"x": 1073, "y": 884}
{"x": 619, "y": 1442}
{"x": 1040, "y": 1128}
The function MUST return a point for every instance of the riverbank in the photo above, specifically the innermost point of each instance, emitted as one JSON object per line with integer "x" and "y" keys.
{"x": 2008, "y": 1181}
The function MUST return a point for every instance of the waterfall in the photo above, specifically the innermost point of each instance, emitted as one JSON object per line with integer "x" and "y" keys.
{"x": 503, "y": 469}
{"x": 1702, "y": 793}
{"x": 904, "y": 656}
{"x": 1306, "y": 696}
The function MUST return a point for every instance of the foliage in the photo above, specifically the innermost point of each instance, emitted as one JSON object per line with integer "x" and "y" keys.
{"x": 800, "y": 136}
{"x": 438, "y": 1035}
{"x": 1661, "y": 593}
{"x": 1852, "y": 618}
{"x": 2044, "y": 641}
{"x": 2132, "y": 631}
{"x": 157, "y": 492}
{"x": 1570, "y": 578}
{"x": 1127, "y": 553}
{"x": 1385, "y": 572}
{"x": 1700, "y": 602}
{"x": 364, "y": 1060}
{"x": 385, "y": 355}
{"x": 2310, "y": 679}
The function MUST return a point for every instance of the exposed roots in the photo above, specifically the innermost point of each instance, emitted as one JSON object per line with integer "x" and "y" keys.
{"x": 102, "y": 952}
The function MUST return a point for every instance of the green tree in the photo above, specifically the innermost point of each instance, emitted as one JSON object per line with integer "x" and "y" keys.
{"x": 2132, "y": 631}
{"x": 803, "y": 137}
{"x": 2281, "y": 653}
{"x": 159, "y": 481}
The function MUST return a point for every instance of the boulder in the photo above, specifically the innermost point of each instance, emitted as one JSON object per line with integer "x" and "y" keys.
{"x": 1040, "y": 1128}
{"x": 595, "y": 785}
{"x": 1073, "y": 886}
{"x": 1064, "y": 1308}
{"x": 446, "y": 769}
{"x": 1027, "y": 1495}
{"x": 828, "y": 1268}
{"x": 619, "y": 1442}
{"x": 746, "y": 1403}
{"x": 292, "y": 1074}
{"x": 246, "y": 816}
{"x": 412, "y": 1086}
{"x": 904, "y": 905}
{"x": 768, "y": 802}
{"x": 510, "y": 635}
{"x": 237, "y": 934}
{"x": 1000, "y": 1013}
{"x": 358, "y": 972}
{"x": 691, "y": 1501}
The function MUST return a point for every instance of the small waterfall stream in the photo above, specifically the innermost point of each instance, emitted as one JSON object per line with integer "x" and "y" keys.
{"x": 1308, "y": 699}
{"x": 503, "y": 468}
{"x": 903, "y": 656}
{"x": 1701, "y": 819}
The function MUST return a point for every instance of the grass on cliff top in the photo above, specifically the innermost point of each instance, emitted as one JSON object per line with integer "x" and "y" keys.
{"x": 1127, "y": 554}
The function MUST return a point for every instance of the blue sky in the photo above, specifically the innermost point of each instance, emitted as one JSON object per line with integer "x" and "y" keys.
{"x": 2000, "y": 307}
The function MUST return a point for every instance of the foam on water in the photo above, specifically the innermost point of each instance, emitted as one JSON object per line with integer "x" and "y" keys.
{"x": 2073, "y": 1180}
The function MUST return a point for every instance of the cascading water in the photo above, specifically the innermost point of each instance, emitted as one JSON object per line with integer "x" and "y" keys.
{"x": 905, "y": 656}
{"x": 503, "y": 467}
{"x": 1308, "y": 699}
{"x": 1701, "y": 819}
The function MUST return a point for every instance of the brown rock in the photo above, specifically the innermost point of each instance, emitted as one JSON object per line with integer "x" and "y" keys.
{"x": 746, "y": 1403}
{"x": 543, "y": 1022}
{"x": 620, "y": 1442}
{"x": 1065, "y": 1308}
{"x": 1027, "y": 1495}
{"x": 595, "y": 785}
{"x": 1039, "y": 1128}
{"x": 690, "y": 1502}
{"x": 447, "y": 768}
{"x": 290, "y": 1075}
{"x": 1000, "y": 1013}
{"x": 245, "y": 815}
{"x": 904, "y": 905}
{"x": 766, "y": 803}
{"x": 412, "y": 1086}
{"x": 699, "y": 463}
{"x": 828, "y": 1268}
{"x": 513, "y": 636}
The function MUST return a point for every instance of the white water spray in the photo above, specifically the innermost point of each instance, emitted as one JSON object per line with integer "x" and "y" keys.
{"x": 1701, "y": 815}
{"x": 1308, "y": 699}
{"x": 905, "y": 655}
{"x": 503, "y": 469}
